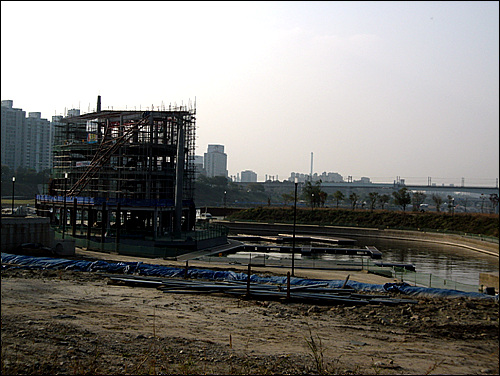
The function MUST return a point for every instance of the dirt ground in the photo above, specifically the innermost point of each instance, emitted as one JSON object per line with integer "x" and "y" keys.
{"x": 69, "y": 322}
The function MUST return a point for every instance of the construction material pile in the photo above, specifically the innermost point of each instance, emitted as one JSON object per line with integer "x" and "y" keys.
{"x": 317, "y": 293}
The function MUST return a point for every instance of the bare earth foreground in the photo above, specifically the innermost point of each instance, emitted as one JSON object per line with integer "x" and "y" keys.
{"x": 68, "y": 322}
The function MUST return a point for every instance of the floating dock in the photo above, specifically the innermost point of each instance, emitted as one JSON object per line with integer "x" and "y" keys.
{"x": 373, "y": 252}
{"x": 287, "y": 238}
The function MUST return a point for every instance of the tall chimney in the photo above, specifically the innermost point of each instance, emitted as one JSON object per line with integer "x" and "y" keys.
{"x": 311, "y": 166}
{"x": 98, "y": 103}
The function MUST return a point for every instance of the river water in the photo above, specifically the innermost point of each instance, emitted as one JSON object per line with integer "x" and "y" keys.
{"x": 448, "y": 262}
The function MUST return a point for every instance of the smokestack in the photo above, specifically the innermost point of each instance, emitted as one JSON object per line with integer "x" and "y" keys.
{"x": 98, "y": 103}
{"x": 311, "y": 166}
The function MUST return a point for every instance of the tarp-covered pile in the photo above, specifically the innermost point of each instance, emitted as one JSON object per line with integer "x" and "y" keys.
{"x": 139, "y": 268}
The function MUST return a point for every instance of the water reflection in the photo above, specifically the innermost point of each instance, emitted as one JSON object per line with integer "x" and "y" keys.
{"x": 449, "y": 262}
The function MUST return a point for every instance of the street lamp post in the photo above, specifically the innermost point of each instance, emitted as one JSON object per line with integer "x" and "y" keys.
{"x": 13, "y": 183}
{"x": 64, "y": 205}
{"x": 225, "y": 204}
{"x": 294, "y": 221}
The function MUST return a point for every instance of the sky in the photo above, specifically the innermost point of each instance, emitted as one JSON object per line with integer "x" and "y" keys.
{"x": 373, "y": 89}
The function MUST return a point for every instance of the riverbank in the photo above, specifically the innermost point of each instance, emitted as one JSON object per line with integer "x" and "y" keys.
{"x": 472, "y": 243}
{"x": 466, "y": 223}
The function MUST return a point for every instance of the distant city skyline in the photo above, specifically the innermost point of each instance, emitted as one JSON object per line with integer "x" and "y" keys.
{"x": 261, "y": 176}
{"x": 375, "y": 89}
{"x": 422, "y": 180}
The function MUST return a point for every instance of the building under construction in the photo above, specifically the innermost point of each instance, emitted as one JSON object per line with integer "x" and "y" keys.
{"x": 126, "y": 175}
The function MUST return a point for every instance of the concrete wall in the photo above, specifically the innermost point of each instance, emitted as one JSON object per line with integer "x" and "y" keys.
{"x": 20, "y": 230}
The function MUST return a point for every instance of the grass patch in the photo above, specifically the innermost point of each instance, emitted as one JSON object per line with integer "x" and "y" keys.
{"x": 463, "y": 223}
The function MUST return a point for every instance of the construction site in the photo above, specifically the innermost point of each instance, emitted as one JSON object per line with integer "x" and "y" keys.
{"x": 127, "y": 177}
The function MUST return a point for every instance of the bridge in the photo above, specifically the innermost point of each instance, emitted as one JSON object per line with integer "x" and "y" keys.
{"x": 395, "y": 186}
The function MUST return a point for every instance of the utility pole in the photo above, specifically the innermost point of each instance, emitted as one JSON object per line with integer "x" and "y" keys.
{"x": 294, "y": 221}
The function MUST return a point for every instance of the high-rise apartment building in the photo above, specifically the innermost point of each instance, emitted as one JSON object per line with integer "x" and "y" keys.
{"x": 215, "y": 161}
{"x": 13, "y": 120}
{"x": 26, "y": 141}
{"x": 38, "y": 142}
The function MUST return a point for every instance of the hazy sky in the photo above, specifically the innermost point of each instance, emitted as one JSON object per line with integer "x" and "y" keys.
{"x": 376, "y": 89}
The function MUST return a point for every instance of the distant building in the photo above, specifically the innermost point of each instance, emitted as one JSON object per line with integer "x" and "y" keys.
{"x": 26, "y": 141}
{"x": 300, "y": 177}
{"x": 12, "y": 125}
{"x": 363, "y": 180}
{"x": 38, "y": 142}
{"x": 215, "y": 161}
{"x": 73, "y": 112}
{"x": 248, "y": 176}
{"x": 198, "y": 166}
{"x": 330, "y": 177}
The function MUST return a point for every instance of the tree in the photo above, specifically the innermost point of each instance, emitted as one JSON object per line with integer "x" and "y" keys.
{"x": 373, "y": 198}
{"x": 384, "y": 199}
{"x": 314, "y": 194}
{"x": 451, "y": 202}
{"x": 353, "y": 197}
{"x": 219, "y": 181}
{"x": 338, "y": 196}
{"x": 494, "y": 201}
{"x": 418, "y": 199}
{"x": 322, "y": 195}
{"x": 402, "y": 198}
{"x": 27, "y": 181}
{"x": 288, "y": 197}
{"x": 363, "y": 203}
{"x": 482, "y": 201}
{"x": 7, "y": 173}
{"x": 438, "y": 200}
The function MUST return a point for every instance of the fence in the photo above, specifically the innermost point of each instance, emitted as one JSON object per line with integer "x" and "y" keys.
{"x": 203, "y": 231}
{"x": 207, "y": 231}
{"x": 430, "y": 280}
{"x": 123, "y": 249}
{"x": 396, "y": 273}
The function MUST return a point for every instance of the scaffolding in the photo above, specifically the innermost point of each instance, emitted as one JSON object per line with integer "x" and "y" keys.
{"x": 135, "y": 168}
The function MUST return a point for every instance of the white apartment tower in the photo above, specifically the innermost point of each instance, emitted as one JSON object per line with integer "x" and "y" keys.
{"x": 26, "y": 141}
{"x": 13, "y": 121}
{"x": 215, "y": 161}
{"x": 38, "y": 142}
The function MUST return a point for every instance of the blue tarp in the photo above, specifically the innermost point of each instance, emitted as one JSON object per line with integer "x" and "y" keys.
{"x": 140, "y": 268}
{"x": 407, "y": 289}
